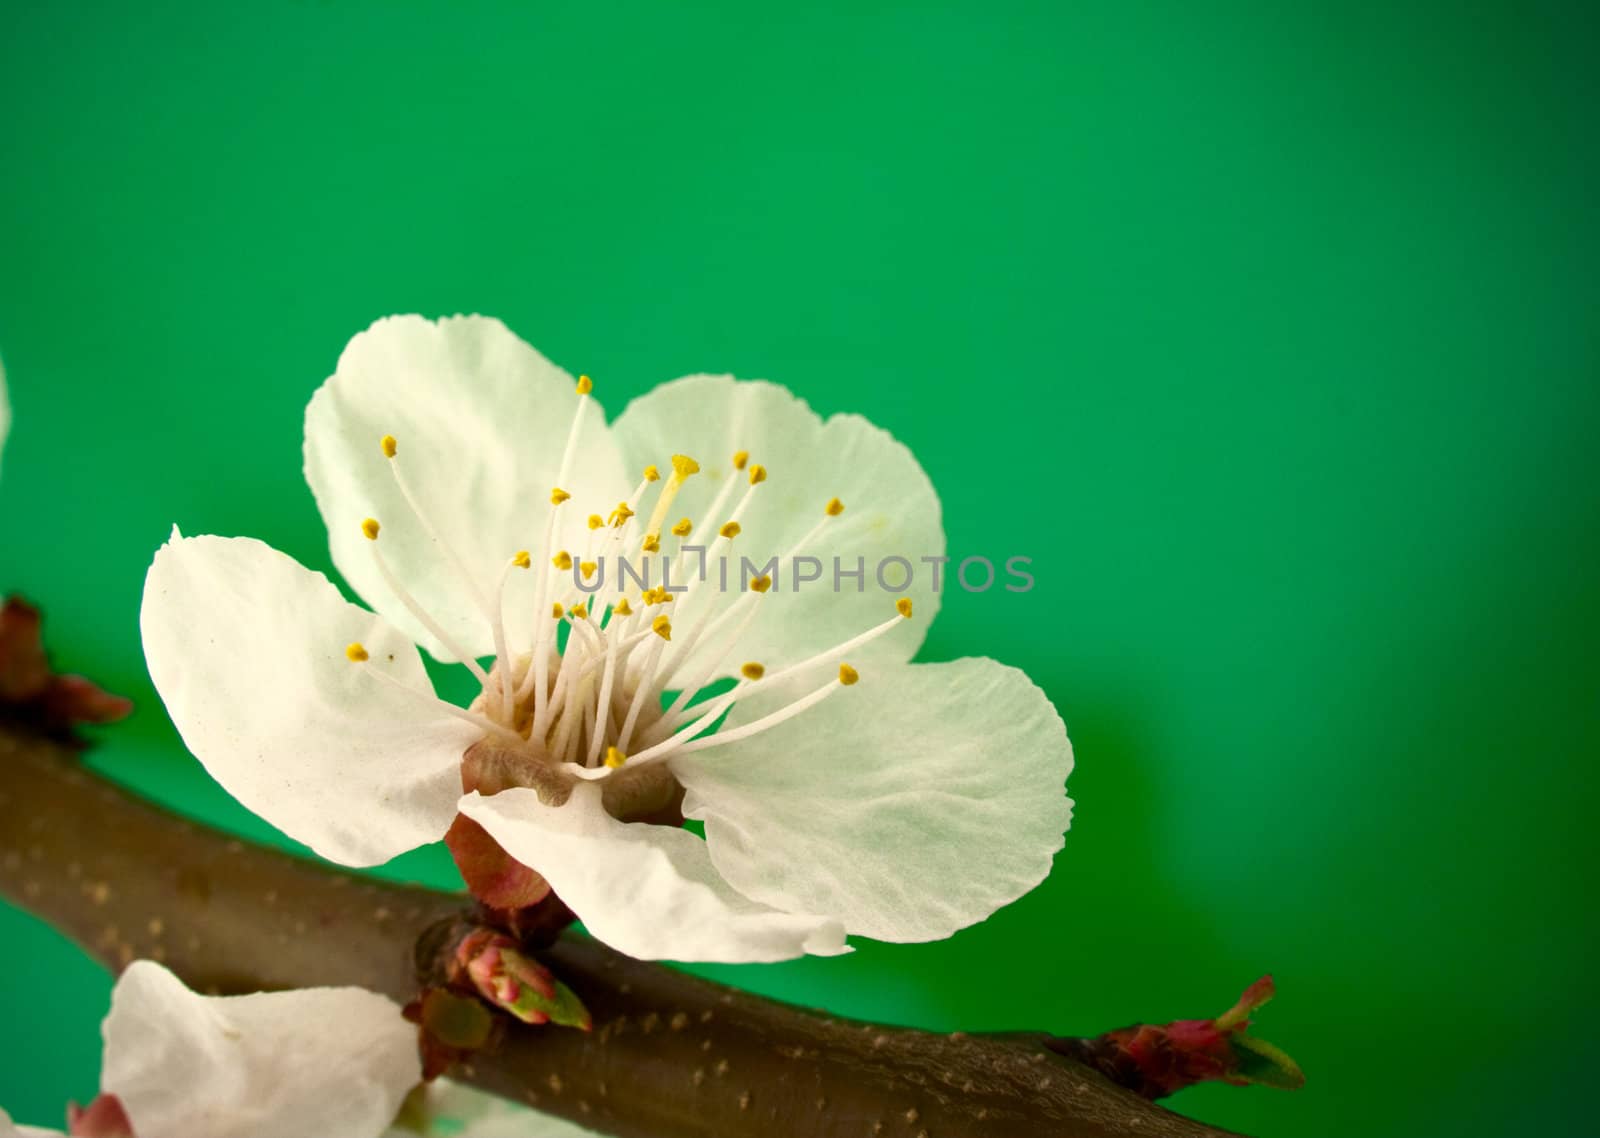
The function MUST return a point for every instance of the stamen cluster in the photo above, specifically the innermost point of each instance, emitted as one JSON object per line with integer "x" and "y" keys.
{"x": 587, "y": 698}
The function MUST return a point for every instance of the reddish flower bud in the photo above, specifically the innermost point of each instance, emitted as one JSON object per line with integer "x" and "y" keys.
{"x": 1159, "y": 1060}
{"x": 507, "y": 978}
{"x": 30, "y": 691}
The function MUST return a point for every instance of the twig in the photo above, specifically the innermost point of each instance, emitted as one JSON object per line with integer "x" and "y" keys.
{"x": 670, "y": 1055}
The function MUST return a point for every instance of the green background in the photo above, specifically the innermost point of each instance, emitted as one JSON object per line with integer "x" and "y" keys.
{"x": 1268, "y": 330}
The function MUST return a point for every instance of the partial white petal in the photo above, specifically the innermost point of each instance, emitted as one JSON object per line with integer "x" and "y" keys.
{"x": 247, "y": 648}
{"x": 9, "y": 1129}
{"x": 648, "y": 891}
{"x": 5, "y": 411}
{"x": 911, "y": 805}
{"x": 314, "y": 1063}
{"x": 481, "y": 420}
{"x": 891, "y": 510}
{"x": 468, "y": 1113}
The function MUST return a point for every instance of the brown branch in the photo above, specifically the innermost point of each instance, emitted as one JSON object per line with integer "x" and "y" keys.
{"x": 670, "y": 1056}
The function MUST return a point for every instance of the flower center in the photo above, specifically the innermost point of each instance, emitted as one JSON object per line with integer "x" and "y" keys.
{"x": 587, "y": 698}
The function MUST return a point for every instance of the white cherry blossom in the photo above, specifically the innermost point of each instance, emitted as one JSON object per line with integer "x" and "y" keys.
{"x": 310, "y": 1063}
{"x": 476, "y": 502}
{"x": 9, "y": 1129}
{"x": 451, "y": 1108}
{"x": 5, "y": 414}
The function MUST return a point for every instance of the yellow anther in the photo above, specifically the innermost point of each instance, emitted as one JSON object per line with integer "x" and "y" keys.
{"x": 683, "y": 527}
{"x": 740, "y": 457}
{"x": 578, "y": 612}
{"x": 834, "y": 508}
{"x": 596, "y": 521}
{"x": 562, "y": 560}
{"x": 622, "y": 608}
{"x": 729, "y": 529}
{"x": 558, "y": 495}
{"x": 356, "y": 653}
{"x": 621, "y": 514}
{"x": 587, "y": 568}
{"x": 903, "y": 607}
{"x": 522, "y": 560}
{"x": 652, "y": 473}
{"x": 389, "y": 446}
{"x": 370, "y": 528}
{"x": 752, "y": 671}
{"x": 683, "y": 466}
{"x": 761, "y": 584}
{"x": 556, "y": 611}
{"x": 758, "y": 473}
{"x": 662, "y": 627}
{"x": 615, "y": 758}
{"x": 585, "y": 385}
{"x": 652, "y": 543}
{"x": 848, "y": 675}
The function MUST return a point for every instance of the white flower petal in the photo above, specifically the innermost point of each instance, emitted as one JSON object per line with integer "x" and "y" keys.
{"x": 314, "y": 1063}
{"x": 468, "y": 1113}
{"x": 912, "y": 805}
{"x": 5, "y": 411}
{"x": 9, "y": 1129}
{"x": 481, "y": 421}
{"x": 247, "y": 648}
{"x": 648, "y": 891}
{"x": 891, "y": 510}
